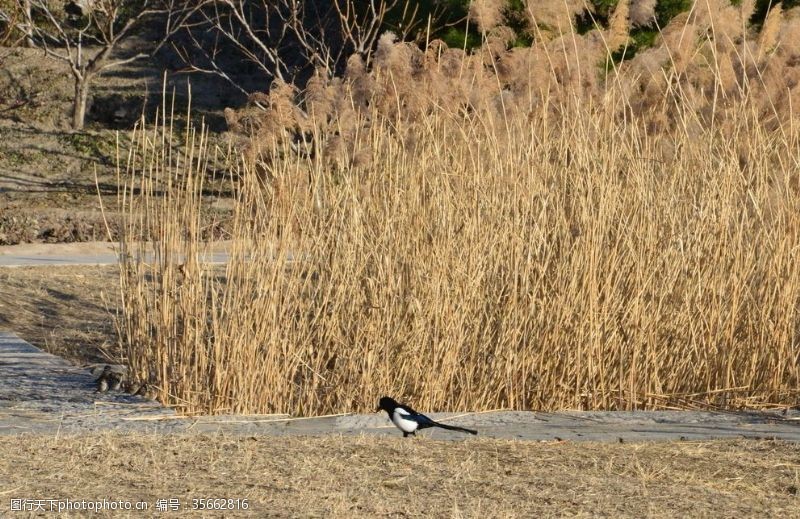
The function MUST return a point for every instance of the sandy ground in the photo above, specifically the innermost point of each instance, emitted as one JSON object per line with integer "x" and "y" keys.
{"x": 65, "y": 310}
{"x": 392, "y": 477}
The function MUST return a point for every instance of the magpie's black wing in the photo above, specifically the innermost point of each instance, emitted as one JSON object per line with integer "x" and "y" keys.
{"x": 407, "y": 409}
{"x": 414, "y": 416}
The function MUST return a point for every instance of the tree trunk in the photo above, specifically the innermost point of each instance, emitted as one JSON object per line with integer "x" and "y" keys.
{"x": 26, "y": 13}
{"x": 79, "y": 102}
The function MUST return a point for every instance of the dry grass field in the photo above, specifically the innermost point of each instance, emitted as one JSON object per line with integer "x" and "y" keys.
{"x": 389, "y": 477}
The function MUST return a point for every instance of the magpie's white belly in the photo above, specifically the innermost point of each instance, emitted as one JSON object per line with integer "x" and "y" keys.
{"x": 403, "y": 424}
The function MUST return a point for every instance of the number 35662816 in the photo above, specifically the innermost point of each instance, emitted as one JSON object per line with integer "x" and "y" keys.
{"x": 220, "y": 504}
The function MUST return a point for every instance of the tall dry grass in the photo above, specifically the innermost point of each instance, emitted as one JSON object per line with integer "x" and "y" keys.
{"x": 466, "y": 240}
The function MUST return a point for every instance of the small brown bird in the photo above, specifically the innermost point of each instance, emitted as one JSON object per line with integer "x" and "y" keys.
{"x": 115, "y": 380}
{"x": 130, "y": 387}
{"x": 103, "y": 379}
{"x": 146, "y": 392}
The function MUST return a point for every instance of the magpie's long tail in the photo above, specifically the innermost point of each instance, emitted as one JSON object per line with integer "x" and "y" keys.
{"x": 454, "y": 428}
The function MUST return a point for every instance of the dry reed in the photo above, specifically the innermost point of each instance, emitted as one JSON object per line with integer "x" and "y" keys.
{"x": 485, "y": 237}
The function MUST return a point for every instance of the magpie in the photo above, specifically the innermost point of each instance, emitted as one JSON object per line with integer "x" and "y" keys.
{"x": 409, "y": 421}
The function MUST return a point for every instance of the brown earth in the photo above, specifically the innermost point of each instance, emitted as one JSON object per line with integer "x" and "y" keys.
{"x": 47, "y": 172}
{"x": 393, "y": 477}
{"x": 66, "y": 311}
{"x": 52, "y": 179}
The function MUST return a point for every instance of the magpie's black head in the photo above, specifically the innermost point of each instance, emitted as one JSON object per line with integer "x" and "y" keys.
{"x": 387, "y": 404}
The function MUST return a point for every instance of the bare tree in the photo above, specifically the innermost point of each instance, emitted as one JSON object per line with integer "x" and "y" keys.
{"x": 362, "y": 24}
{"x": 24, "y": 7}
{"x": 282, "y": 39}
{"x": 85, "y": 34}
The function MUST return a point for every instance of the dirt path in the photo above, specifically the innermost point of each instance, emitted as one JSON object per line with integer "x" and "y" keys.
{"x": 42, "y": 393}
{"x": 80, "y": 254}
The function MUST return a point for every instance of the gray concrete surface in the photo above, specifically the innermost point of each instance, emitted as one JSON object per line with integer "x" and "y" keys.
{"x": 92, "y": 254}
{"x": 54, "y": 254}
{"x": 42, "y": 393}
{"x": 107, "y": 258}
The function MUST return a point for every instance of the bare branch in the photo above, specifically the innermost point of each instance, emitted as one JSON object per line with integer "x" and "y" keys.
{"x": 284, "y": 39}
{"x": 99, "y": 29}
{"x": 121, "y": 62}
